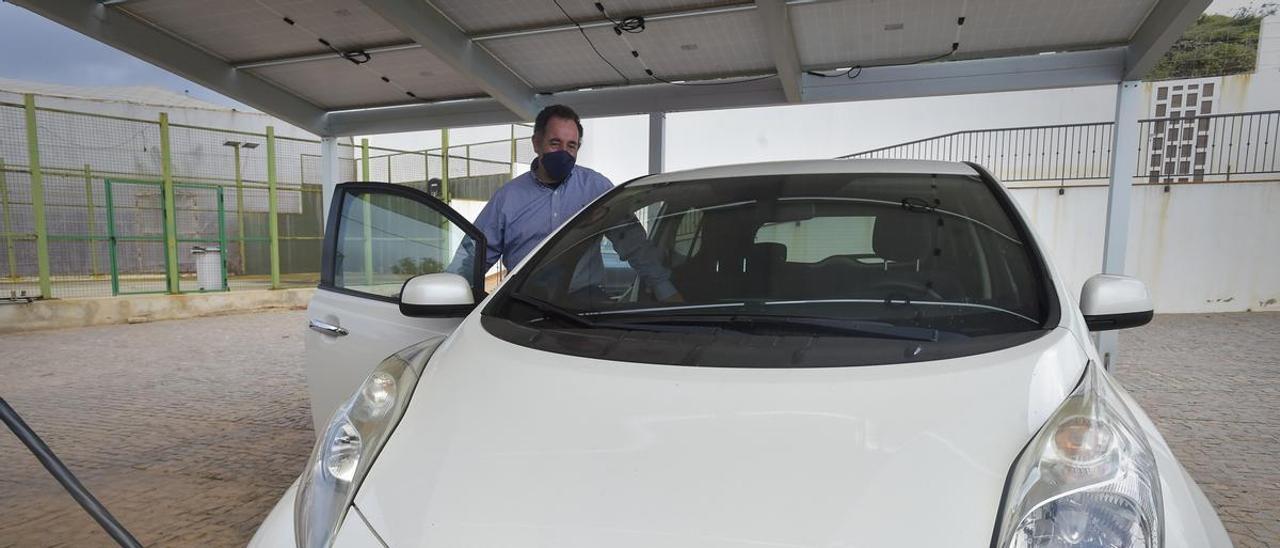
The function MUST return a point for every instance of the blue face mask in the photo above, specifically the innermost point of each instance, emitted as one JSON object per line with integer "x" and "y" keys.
{"x": 559, "y": 164}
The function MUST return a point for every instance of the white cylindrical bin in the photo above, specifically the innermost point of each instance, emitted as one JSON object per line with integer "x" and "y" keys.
{"x": 208, "y": 268}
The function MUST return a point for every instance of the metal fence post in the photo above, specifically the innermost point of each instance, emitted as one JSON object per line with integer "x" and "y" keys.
{"x": 91, "y": 217}
{"x": 111, "y": 237}
{"x": 244, "y": 259}
{"x": 170, "y": 208}
{"x": 468, "y": 155}
{"x": 364, "y": 160}
{"x": 444, "y": 165}
{"x": 368, "y": 214}
{"x": 7, "y": 226}
{"x": 512, "y": 174}
{"x": 37, "y": 197}
{"x": 273, "y": 227}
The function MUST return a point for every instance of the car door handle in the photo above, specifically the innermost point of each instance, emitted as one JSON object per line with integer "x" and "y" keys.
{"x": 325, "y": 328}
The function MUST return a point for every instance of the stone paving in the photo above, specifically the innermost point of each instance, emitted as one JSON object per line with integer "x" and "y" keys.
{"x": 1211, "y": 383}
{"x": 187, "y": 430}
{"x": 190, "y": 430}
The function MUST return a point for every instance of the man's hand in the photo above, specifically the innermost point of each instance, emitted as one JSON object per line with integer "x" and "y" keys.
{"x": 674, "y": 298}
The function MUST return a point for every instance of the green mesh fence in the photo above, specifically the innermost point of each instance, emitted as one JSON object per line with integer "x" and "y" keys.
{"x": 103, "y": 183}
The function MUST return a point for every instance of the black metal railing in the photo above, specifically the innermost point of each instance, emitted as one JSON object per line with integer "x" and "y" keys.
{"x": 60, "y": 472}
{"x": 1034, "y": 153}
{"x": 1192, "y": 148}
{"x": 1169, "y": 149}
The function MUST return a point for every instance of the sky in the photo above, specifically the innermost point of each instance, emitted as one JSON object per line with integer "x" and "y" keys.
{"x": 54, "y": 54}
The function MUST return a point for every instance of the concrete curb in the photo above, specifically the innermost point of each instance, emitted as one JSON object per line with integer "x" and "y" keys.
{"x": 62, "y": 313}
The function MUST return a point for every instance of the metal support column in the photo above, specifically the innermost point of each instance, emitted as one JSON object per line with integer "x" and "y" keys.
{"x": 364, "y": 160}
{"x": 328, "y": 174}
{"x": 368, "y": 214}
{"x": 657, "y": 142}
{"x": 244, "y": 259}
{"x": 1124, "y": 158}
{"x": 273, "y": 202}
{"x": 7, "y": 225}
{"x": 37, "y": 197}
{"x": 512, "y": 175}
{"x": 444, "y": 165}
{"x": 170, "y": 209}
{"x": 92, "y": 221}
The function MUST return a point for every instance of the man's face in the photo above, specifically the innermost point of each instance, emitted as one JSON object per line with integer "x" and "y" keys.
{"x": 561, "y": 134}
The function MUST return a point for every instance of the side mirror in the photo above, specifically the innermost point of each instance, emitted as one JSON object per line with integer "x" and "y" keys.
{"x": 1112, "y": 301}
{"x": 436, "y": 295}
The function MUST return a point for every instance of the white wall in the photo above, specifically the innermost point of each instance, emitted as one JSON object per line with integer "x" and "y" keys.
{"x": 1199, "y": 247}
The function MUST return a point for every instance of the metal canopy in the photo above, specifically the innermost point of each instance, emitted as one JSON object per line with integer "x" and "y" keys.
{"x": 347, "y": 67}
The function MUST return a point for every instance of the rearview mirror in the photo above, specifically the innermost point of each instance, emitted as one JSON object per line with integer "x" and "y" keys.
{"x": 1113, "y": 301}
{"x": 436, "y": 295}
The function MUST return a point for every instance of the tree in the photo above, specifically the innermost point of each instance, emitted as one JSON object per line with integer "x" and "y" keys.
{"x": 1216, "y": 45}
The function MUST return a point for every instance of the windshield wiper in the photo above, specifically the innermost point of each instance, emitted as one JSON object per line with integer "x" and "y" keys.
{"x": 748, "y": 322}
{"x": 550, "y": 310}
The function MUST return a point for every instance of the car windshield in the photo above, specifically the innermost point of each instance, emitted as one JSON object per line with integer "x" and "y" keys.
{"x": 865, "y": 265}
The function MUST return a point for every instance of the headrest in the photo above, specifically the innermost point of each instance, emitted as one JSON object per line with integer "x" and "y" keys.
{"x": 768, "y": 253}
{"x": 903, "y": 235}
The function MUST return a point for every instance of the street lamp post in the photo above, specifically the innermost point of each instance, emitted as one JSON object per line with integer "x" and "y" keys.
{"x": 237, "y": 145}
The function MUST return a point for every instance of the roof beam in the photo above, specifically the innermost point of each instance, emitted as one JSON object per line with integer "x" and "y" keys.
{"x": 1162, "y": 27}
{"x": 139, "y": 39}
{"x": 991, "y": 75}
{"x": 424, "y": 24}
{"x": 782, "y": 43}
{"x": 1027, "y": 72}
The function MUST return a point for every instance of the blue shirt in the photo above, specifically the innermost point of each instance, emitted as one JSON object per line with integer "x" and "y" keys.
{"x": 523, "y": 212}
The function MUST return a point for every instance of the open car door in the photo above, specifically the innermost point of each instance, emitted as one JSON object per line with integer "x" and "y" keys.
{"x": 377, "y": 237}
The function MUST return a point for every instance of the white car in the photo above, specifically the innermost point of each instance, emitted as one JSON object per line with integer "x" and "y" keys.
{"x": 860, "y": 353}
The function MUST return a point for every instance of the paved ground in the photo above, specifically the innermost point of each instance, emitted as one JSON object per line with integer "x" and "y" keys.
{"x": 1211, "y": 382}
{"x": 187, "y": 430}
{"x": 190, "y": 430}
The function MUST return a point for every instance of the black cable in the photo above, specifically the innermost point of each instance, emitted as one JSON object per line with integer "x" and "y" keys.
{"x": 697, "y": 84}
{"x": 848, "y": 73}
{"x": 635, "y": 25}
{"x": 631, "y": 25}
{"x": 590, "y": 43}
{"x": 851, "y": 74}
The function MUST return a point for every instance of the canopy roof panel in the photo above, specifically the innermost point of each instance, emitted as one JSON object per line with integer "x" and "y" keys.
{"x": 338, "y": 67}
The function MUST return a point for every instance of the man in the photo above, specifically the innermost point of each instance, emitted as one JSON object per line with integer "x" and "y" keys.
{"x": 527, "y": 209}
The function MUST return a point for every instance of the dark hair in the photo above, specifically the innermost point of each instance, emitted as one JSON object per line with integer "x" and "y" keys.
{"x": 556, "y": 111}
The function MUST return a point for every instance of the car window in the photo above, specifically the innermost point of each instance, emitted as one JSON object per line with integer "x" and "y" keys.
{"x": 868, "y": 257}
{"x": 385, "y": 239}
{"x": 812, "y": 240}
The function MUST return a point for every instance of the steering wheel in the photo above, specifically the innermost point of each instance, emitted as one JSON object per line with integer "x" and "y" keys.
{"x": 912, "y": 287}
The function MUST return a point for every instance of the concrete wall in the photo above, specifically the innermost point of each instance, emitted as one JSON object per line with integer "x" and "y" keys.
{"x": 63, "y": 313}
{"x": 1199, "y": 247}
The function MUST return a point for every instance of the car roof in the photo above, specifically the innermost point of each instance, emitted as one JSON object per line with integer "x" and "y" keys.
{"x": 803, "y": 167}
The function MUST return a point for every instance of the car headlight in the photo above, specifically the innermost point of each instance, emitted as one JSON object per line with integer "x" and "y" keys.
{"x": 351, "y": 441}
{"x": 1087, "y": 480}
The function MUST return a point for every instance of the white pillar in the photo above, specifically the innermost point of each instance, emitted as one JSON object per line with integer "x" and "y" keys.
{"x": 1124, "y": 162}
{"x": 329, "y": 173}
{"x": 657, "y": 142}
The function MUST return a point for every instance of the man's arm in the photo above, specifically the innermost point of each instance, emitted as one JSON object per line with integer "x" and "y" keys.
{"x": 634, "y": 247}
{"x": 490, "y": 224}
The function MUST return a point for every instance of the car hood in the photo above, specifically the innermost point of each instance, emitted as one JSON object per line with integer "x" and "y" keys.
{"x": 508, "y": 446}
